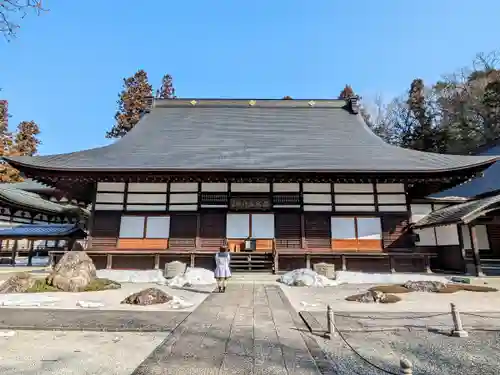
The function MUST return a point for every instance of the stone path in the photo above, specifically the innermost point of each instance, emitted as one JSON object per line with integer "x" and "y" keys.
{"x": 250, "y": 329}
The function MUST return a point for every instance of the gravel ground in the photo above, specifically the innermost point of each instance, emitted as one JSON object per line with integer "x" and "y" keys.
{"x": 430, "y": 353}
{"x": 316, "y": 299}
{"x": 111, "y": 298}
{"x": 75, "y": 353}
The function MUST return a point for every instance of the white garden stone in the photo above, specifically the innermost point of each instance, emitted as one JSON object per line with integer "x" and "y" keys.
{"x": 193, "y": 277}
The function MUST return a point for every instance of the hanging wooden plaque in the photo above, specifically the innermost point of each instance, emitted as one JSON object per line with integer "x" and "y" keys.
{"x": 250, "y": 203}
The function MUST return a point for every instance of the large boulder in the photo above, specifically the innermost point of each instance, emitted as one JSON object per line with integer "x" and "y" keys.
{"x": 175, "y": 268}
{"x": 73, "y": 272}
{"x": 148, "y": 296}
{"x": 306, "y": 277}
{"x": 325, "y": 269}
{"x": 18, "y": 283}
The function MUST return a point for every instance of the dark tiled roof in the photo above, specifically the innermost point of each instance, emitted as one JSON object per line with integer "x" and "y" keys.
{"x": 487, "y": 184}
{"x": 459, "y": 213}
{"x": 41, "y": 231}
{"x": 28, "y": 200}
{"x": 234, "y": 135}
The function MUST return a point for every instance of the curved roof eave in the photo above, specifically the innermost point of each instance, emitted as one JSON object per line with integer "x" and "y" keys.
{"x": 231, "y": 136}
{"x": 23, "y": 164}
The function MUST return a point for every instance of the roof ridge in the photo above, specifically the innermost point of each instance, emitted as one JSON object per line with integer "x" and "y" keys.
{"x": 249, "y": 102}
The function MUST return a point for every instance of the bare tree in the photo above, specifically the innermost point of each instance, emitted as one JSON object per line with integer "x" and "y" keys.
{"x": 12, "y": 11}
{"x": 469, "y": 103}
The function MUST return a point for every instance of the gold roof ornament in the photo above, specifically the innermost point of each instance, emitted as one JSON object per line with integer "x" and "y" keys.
{"x": 251, "y": 103}
{"x": 311, "y": 103}
{"x": 193, "y": 102}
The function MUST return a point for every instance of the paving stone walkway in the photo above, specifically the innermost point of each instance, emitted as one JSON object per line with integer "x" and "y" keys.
{"x": 250, "y": 329}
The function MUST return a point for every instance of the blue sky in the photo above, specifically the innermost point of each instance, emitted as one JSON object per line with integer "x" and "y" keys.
{"x": 65, "y": 69}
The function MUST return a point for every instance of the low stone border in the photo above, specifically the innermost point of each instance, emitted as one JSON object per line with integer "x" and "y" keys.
{"x": 90, "y": 320}
{"x": 375, "y": 322}
{"x": 320, "y": 357}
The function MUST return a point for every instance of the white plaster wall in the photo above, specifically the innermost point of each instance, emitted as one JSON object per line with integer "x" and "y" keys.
{"x": 147, "y": 198}
{"x": 184, "y": 187}
{"x": 391, "y": 198}
{"x": 146, "y": 187}
{"x": 317, "y": 187}
{"x": 109, "y": 198}
{"x": 390, "y": 188}
{"x": 317, "y": 198}
{"x": 355, "y": 199}
{"x": 111, "y": 186}
{"x": 238, "y": 187}
{"x": 214, "y": 186}
{"x": 353, "y": 188}
{"x": 284, "y": 187}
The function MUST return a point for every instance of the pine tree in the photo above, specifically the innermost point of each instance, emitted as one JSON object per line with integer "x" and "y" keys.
{"x": 23, "y": 143}
{"x": 132, "y": 103}
{"x": 167, "y": 90}
{"x": 25, "y": 139}
{"x": 346, "y": 93}
{"x": 7, "y": 173}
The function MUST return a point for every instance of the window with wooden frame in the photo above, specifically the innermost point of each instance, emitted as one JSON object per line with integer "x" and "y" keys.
{"x": 250, "y": 225}
{"x": 356, "y": 233}
{"x": 145, "y": 227}
{"x": 144, "y": 232}
{"x": 256, "y": 226}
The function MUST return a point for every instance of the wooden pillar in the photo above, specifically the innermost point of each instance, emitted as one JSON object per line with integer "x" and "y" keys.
{"x": 14, "y": 253}
{"x": 109, "y": 261}
{"x": 392, "y": 264}
{"x": 303, "y": 243}
{"x": 91, "y": 219}
{"x": 475, "y": 250}
{"x": 197, "y": 241}
{"x": 276, "y": 262}
{"x": 344, "y": 263}
{"x": 71, "y": 242}
{"x": 30, "y": 252}
{"x": 157, "y": 261}
{"x": 461, "y": 243}
{"x": 52, "y": 259}
{"x": 308, "y": 261}
{"x": 427, "y": 263}
{"x": 192, "y": 260}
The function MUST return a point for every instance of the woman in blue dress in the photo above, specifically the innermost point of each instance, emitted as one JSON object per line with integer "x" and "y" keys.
{"x": 222, "y": 270}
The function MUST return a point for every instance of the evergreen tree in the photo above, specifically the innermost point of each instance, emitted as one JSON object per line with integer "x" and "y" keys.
{"x": 167, "y": 90}
{"x": 346, "y": 93}
{"x": 132, "y": 103}
{"x": 25, "y": 139}
{"x": 24, "y": 142}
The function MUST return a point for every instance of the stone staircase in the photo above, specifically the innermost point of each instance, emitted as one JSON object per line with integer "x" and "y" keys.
{"x": 253, "y": 278}
{"x": 251, "y": 262}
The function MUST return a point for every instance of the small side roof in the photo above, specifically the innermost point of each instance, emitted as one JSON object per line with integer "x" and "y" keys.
{"x": 487, "y": 184}
{"x": 28, "y": 200}
{"x": 462, "y": 213}
{"x": 33, "y": 186}
{"x": 43, "y": 231}
{"x": 242, "y": 135}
